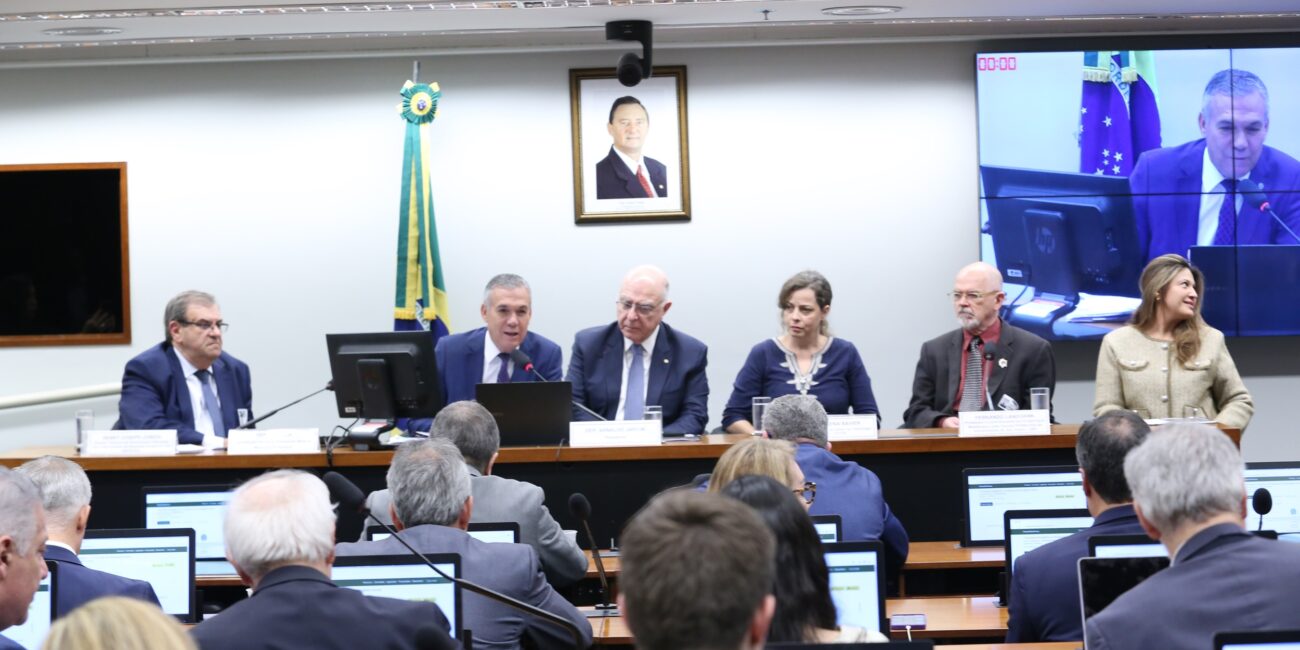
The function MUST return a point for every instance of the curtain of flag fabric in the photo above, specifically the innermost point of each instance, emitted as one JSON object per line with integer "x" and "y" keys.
{"x": 421, "y": 296}
{"x": 1119, "y": 118}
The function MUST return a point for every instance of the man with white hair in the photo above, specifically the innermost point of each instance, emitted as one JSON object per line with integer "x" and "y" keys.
{"x": 986, "y": 364}
{"x": 1189, "y": 493}
{"x": 22, "y": 546}
{"x": 65, "y": 493}
{"x": 279, "y": 531}
{"x": 431, "y": 507}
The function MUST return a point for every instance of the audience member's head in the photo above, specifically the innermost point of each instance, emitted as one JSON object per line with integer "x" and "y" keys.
{"x": 796, "y": 418}
{"x": 1184, "y": 478}
{"x": 281, "y": 518}
{"x": 774, "y": 458}
{"x": 65, "y": 494}
{"x": 697, "y": 573}
{"x": 803, "y": 595}
{"x": 473, "y": 430}
{"x": 1101, "y": 447}
{"x": 22, "y": 546}
{"x": 429, "y": 484}
{"x": 117, "y": 623}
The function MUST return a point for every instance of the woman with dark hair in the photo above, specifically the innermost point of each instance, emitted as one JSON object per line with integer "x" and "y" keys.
{"x": 804, "y": 610}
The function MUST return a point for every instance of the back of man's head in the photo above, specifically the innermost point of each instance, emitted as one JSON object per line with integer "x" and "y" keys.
{"x": 22, "y": 534}
{"x": 278, "y": 519}
{"x": 429, "y": 483}
{"x": 65, "y": 490}
{"x": 1101, "y": 447}
{"x": 697, "y": 569}
{"x": 792, "y": 417}
{"x": 1185, "y": 474}
{"x": 471, "y": 427}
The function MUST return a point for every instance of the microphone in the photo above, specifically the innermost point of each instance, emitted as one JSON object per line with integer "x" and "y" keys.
{"x": 990, "y": 351}
{"x": 351, "y": 499}
{"x": 1252, "y": 194}
{"x": 522, "y": 360}
{"x": 328, "y": 386}
{"x": 581, "y": 508}
{"x": 1262, "y": 503}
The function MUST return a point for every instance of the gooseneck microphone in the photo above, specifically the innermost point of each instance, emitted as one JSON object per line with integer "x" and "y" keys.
{"x": 990, "y": 353}
{"x": 350, "y": 498}
{"x": 522, "y": 360}
{"x": 1262, "y": 503}
{"x": 328, "y": 386}
{"x": 581, "y": 508}
{"x": 1253, "y": 195}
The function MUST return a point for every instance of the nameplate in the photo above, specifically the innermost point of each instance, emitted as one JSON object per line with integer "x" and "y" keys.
{"x": 616, "y": 433}
{"x": 272, "y": 441}
{"x": 1004, "y": 423}
{"x": 156, "y": 442}
{"x": 852, "y": 427}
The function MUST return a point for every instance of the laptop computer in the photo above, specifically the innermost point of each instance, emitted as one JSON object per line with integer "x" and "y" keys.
{"x": 829, "y": 528}
{"x": 531, "y": 413}
{"x": 989, "y": 492}
{"x": 896, "y": 645}
{"x": 1102, "y": 580}
{"x": 201, "y": 507}
{"x": 1282, "y": 479}
{"x": 404, "y": 577}
{"x": 1026, "y": 530}
{"x": 162, "y": 557}
{"x": 506, "y": 532}
{"x": 1125, "y": 546}
{"x": 857, "y": 576}
{"x": 40, "y": 614}
{"x": 1267, "y": 640}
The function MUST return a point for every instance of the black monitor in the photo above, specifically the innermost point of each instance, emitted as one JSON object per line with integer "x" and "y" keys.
{"x": 384, "y": 375}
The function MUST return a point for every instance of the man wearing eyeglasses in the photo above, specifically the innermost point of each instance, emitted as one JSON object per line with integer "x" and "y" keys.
{"x": 187, "y": 382}
{"x": 985, "y": 364}
{"x": 619, "y": 369}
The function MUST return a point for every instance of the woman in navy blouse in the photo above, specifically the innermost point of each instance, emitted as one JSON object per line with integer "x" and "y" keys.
{"x": 806, "y": 359}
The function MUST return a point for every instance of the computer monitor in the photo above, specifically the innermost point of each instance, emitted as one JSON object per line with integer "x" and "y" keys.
{"x": 201, "y": 507}
{"x": 1102, "y": 580}
{"x": 384, "y": 375}
{"x": 404, "y": 577}
{"x": 989, "y": 492}
{"x": 1125, "y": 546}
{"x": 1269, "y": 640}
{"x": 40, "y": 613}
{"x": 857, "y": 576}
{"x": 1026, "y": 530}
{"x": 494, "y": 532}
{"x": 163, "y": 558}
{"x": 829, "y": 527}
{"x": 1282, "y": 479}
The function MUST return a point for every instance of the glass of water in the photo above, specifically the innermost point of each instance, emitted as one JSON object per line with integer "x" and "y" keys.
{"x": 85, "y": 422}
{"x": 1040, "y": 399}
{"x": 758, "y": 408}
{"x": 1193, "y": 413}
{"x": 653, "y": 413}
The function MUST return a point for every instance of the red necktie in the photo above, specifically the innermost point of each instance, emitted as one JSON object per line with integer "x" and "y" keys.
{"x": 645, "y": 182}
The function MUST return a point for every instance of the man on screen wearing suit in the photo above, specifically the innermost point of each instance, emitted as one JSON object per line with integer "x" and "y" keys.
{"x": 950, "y": 376}
{"x": 65, "y": 491}
{"x": 1189, "y": 494}
{"x": 22, "y": 543}
{"x": 625, "y": 173}
{"x": 187, "y": 382}
{"x": 1044, "y": 598}
{"x": 1179, "y": 192}
{"x": 638, "y": 360}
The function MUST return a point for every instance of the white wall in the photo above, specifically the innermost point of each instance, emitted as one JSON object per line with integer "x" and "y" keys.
{"x": 274, "y": 186}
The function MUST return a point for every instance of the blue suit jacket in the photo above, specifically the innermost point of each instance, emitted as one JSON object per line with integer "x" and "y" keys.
{"x": 1223, "y": 579}
{"x": 9, "y": 644}
{"x": 1044, "y": 600}
{"x": 615, "y": 181}
{"x": 1166, "y": 187}
{"x": 853, "y": 492}
{"x": 154, "y": 394}
{"x": 677, "y": 380}
{"x": 79, "y": 584}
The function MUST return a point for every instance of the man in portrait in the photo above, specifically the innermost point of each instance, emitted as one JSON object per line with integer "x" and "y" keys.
{"x": 625, "y": 173}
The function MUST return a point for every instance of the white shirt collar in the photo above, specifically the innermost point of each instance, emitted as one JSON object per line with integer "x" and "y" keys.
{"x": 1211, "y": 179}
{"x": 648, "y": 344}
{"x": 50, "y": 542}
{"x": 490, "y": 353}
{"x": 187, "y": 368}
{"x": 632, "y": 163}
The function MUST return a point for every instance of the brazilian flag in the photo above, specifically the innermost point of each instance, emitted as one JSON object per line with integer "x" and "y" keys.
{"x": 421, "y": 296}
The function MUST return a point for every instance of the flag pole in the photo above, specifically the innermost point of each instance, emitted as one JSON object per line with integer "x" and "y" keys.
{"x": 415, "y": 71}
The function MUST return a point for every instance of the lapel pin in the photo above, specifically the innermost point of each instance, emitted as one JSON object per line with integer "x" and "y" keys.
{"x": 1002, "y": 363}
{"x": 665, "y": 360}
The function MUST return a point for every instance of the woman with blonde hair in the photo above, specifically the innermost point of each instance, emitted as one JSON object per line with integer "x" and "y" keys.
{"x": 117, "y": 623}
{"x": 1167, "y": 362}
{"x": 763, "y": 457}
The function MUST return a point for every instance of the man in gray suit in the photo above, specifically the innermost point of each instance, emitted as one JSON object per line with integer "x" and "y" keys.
{"x": 431, "y": 508}
{"x": 1189, "y": 494}
{"x": 473, "y": 430}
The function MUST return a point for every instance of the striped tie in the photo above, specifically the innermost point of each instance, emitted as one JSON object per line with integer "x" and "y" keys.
{"x": 972, "y": 384}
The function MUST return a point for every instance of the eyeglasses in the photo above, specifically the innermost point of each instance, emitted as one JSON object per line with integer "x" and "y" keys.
{"x": 206, "y": 325}
{"x": 644, "y": 308}
{"x": 973, "y": 296}
{"x": 808, "y": 493}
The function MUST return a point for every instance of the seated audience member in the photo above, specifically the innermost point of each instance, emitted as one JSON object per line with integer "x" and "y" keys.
{"x": 638, "y": 360}
{"x": 847, "y": 489}
{"x": 117, "y": 623}
{"x": 805, "y": 612}
{"x": 762, "y": 457}
{"x": 473, "y": 430}
{"x": 1189, "y": 494}
{"x": 65, "y": 491}
{"x": 187, "y": 382}
{"x": 697, "y": 572}
{"x": 1044, "y": 598}
{"x": 431, "y": 507}
{"x": 279, "y": 531}
{"x": 22, "y": 543}
{"x": 805, "y": 360}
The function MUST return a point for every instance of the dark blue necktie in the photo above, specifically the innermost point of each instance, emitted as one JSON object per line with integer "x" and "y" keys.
{"x": 634, "y": 404}
{"x": 210, "y": 404}
{"x": 503, "y": 375}
{"x": 1226, "y": 234}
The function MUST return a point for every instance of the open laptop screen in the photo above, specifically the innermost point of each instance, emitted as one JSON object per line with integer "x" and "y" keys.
{"x": 1270, "y": 640}
{"x": 163, "y": 558}
{"x": 989, "y": 493}
{"x": 1283, "y": 483}
{"x": 493, "y": 532}
{"x": 857, "y": 578}
{"x": 404, "y": 577}
{"x": 1027, "y": 530}
{"x": 31, "y": 634}
{"x": 1125, "y": 546}
{"x": 828, "y": 527}
{"x": 201, "y": 507}
{"x": 1102, "y": 580}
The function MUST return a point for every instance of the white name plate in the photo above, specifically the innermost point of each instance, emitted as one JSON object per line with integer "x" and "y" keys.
{"x": 1004, "y": 423}
{"x": 852, "y": 427}
{"x": 616, "y": 433}
{"x": 158, "y": 442}
{"x": 272, "y": 441}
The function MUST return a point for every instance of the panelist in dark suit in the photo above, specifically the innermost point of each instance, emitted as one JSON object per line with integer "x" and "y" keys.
{"x": 1179, "y": 192}
{"x": 1190, "y": 495}
{"x": 187, "y": 382}
{"x": 1044, "y": 598}
{"x": 66, "y": 494}
{"x": 625, "y": 173}
{"x": 22, "y": 540}
{"x": 659, "y": 366}
{"x": 1013, "y": 360}
{"x": 280, "y": 537}
{"x": 431, "y": 509}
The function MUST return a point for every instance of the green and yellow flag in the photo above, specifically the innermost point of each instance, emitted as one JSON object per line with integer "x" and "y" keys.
{"x": 421, "y": 298}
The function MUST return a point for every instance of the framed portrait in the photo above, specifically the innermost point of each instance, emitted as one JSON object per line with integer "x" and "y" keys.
{"x": 630, "y": 159}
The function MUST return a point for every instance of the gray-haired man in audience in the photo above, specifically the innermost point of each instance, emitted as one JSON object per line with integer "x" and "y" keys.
{"x": 22, "y": 546}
